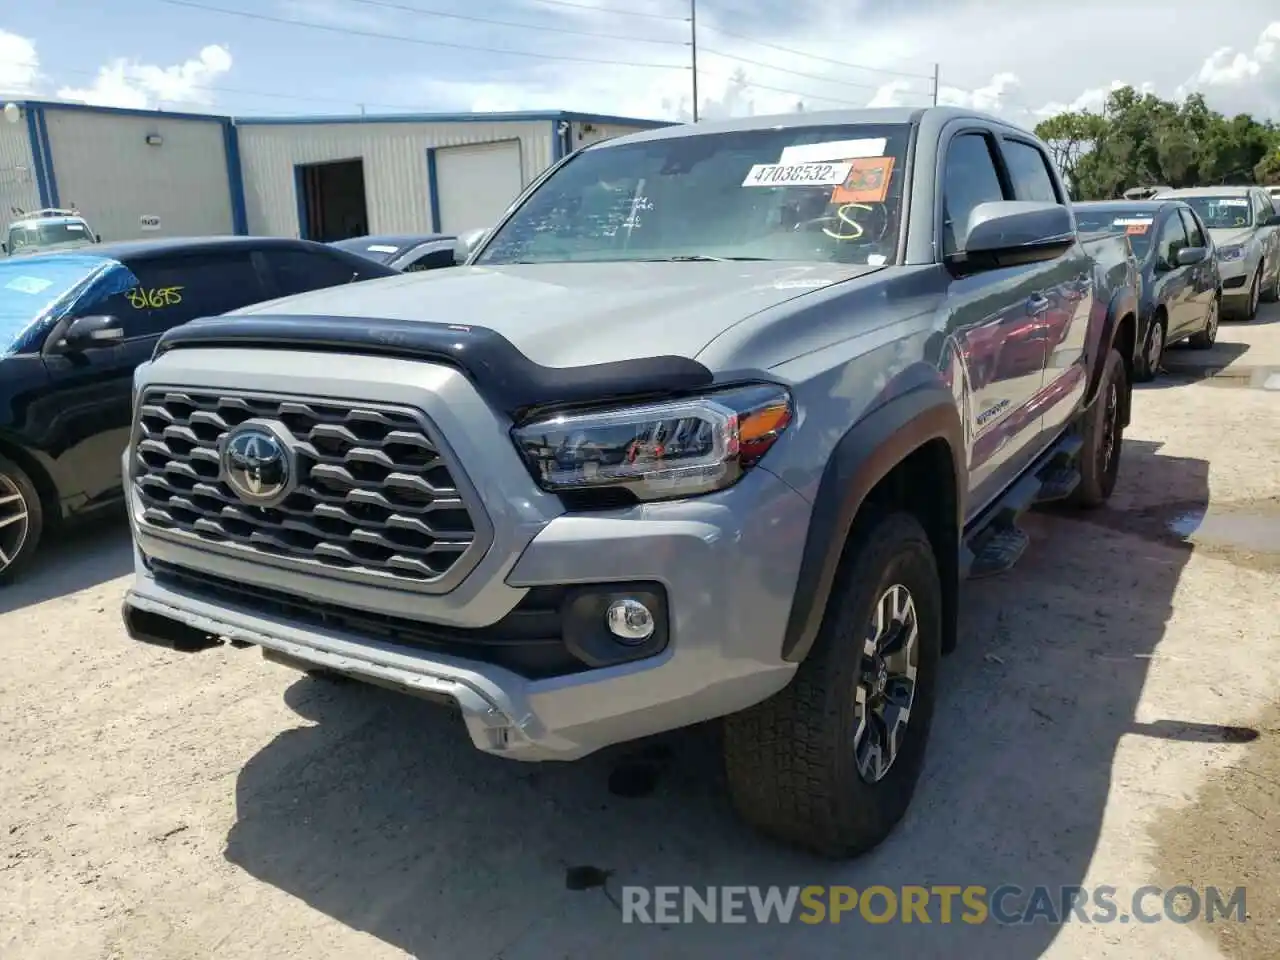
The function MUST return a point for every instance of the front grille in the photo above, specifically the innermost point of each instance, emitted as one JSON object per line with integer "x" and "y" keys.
{"x": 374, "y": 497}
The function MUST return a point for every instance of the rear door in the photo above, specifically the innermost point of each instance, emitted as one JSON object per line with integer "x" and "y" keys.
{"x": 289, "y": 270}
{"x": 996, "y": 318}
{"x": 1067, "y": 285}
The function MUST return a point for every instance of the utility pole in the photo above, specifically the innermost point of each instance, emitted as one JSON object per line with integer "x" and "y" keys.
{"x": 693, "y": 44}
{"x": 936, "y": 68}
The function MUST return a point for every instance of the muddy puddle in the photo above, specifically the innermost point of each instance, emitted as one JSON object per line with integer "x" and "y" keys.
{"x": 1246, "y": 533}
{"x": 1230, "y": 837}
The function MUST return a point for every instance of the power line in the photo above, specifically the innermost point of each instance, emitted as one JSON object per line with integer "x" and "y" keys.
{"x": 792, "y": 93}
{"x": 794, "y": 73}
{"x": 814, "y": 56}
{"x": 419, "y": 11}
{"x": 613, "y": 10}
{"x": 349, "y": 32}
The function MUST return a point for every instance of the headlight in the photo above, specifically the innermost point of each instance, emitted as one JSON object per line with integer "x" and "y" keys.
{"x": 676, "y": 448}
{"x": 1234, "y": 252}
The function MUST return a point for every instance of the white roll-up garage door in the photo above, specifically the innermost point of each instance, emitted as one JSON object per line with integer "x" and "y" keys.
{"x": 476, "y": 183}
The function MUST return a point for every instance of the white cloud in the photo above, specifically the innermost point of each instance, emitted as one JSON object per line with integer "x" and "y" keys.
{"x": 19, "y": 65}
{"x": 128, "y": 83}
{"x": 1244, "y": 82}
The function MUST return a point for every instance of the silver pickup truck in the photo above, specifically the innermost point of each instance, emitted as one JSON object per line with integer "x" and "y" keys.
{"x": 712, "y": 424}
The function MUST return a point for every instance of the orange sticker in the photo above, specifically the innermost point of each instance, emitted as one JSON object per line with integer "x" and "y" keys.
{"x": 868, "y": 181}
{"x": 1136, "y": 228}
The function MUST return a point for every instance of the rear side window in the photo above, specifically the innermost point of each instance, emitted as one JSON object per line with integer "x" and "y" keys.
{"x": 297, "y": 271}
{"x": 174, "y": 290}
{"x": 1029, "y": 171}
{"x": 970, "y": 178}
{"x": 431, "y": 257}
{"x": 1173, "y": 237}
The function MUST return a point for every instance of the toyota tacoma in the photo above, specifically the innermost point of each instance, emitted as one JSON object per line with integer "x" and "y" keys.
{"x": 711, "y": 424}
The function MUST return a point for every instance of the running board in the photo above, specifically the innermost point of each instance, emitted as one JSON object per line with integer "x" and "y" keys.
{"x": 995, "y": 542}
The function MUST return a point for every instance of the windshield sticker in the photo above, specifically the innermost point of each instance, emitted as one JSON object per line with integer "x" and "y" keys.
{"x": 867, "y": 182}
{"x": 1233, "y": 202}
{"x": 1137, "y": 229}
{"x": 75, "y": 227}
{"x": 876, "y": 259}
{"x": 797, "y": 175}
{"x": 381, "y": 248}
{"x": 155, "y": 299}
{"x": 1132, "y": 221}
{"x": 30, "y": 285}
{"x": 833, "y": 151}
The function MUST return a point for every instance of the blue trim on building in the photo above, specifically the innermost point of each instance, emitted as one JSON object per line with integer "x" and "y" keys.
{"x": 50, "y": 177}
{"x": 300, "y": 195}
{"x": 235, "y": 178}
{"x": 557, "y": 142}
{"x": 433, "y": 189}
{"x": 121, "y": 111}
{"x": 37, "y": 154}
{"x": 516, "y": 117}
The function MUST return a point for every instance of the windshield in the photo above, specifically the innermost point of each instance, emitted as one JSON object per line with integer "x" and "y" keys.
{"x": 1221, "y": 213}
{"x": 1135, "y": 223}
{"x": 827, "y": 193}
{"x": 34, "y": 289}
{"x": 40, "y": 235}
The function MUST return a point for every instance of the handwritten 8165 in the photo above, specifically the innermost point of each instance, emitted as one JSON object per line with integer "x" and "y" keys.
{"x": 155, "y": 298}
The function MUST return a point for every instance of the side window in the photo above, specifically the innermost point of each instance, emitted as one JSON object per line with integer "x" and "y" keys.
{"x": 174, "y": 290}
{"x": 1194, "y": 234}
{"x": 1029, "y": 171}
{"x": 297, "y": 271}
{"x": 431, "y": 257}
{"x": 969, "y": 178}
{"x": 1173, "y": 237}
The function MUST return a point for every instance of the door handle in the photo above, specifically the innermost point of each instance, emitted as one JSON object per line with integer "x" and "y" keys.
{"x": 1037, "y": 303}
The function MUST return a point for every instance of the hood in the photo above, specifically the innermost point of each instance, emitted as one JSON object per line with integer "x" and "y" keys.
{"x": 571, "y": 314}
{"x": 1230, "y": 236}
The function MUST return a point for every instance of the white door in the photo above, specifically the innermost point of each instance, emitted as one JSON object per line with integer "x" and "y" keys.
{"x": 476, "y": 183}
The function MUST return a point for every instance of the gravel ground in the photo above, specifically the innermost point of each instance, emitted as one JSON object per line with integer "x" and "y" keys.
{"x": 1111, "y": 717}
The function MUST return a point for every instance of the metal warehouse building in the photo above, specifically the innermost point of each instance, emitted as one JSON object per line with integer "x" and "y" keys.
{"x": 322, "y": 178}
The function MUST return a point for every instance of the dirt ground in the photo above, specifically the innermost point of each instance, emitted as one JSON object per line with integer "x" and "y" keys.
{"x": 1112, "y": 717}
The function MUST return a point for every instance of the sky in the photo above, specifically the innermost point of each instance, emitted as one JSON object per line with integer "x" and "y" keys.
{"x": 1023, "y": 60}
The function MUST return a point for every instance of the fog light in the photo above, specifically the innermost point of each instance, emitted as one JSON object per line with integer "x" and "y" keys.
{"x": 629, "y": 621}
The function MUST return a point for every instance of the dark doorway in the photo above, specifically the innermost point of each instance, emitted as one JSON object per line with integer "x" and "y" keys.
{"x": 331, "y": 203}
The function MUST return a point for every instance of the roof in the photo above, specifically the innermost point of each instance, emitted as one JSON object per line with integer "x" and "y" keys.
{"x": 25, "y": 220}
{"x": 1222, "y": 191}
{"x": 135, "y": 249}
{"x": 1152, "y": 205}
{"x": 393, "y": 239}
{"x": 520, "y": 115}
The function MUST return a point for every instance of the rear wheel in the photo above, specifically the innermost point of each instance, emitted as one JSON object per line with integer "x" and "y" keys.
{"x": 1102, "y": 430}
{"x": 1207, "y": 337}
{"x": 831, "y": 762}
{"x": 21, "y": 520}
{"x": 1272, "y": 292}
{"x": 1255, "y": 293}
{"x": 1148, "y": 365}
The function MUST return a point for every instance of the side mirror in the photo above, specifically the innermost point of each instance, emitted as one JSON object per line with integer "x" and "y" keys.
{"x": 1190, "y": 256}
{"x": 1006, "y": 233}
{"x": 466, "y": 243}
{"x": 85, "y": 333}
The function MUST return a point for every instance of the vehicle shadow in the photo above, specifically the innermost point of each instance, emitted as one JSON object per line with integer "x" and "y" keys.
{"x": 72, "y": 560}
{"x": 383, "y": 817}
{"x": 1181, "y": 364}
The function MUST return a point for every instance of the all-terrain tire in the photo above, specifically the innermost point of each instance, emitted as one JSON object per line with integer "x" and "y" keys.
{"x": 1206, "y": 338}
{"x": 791, "y": 760}
{"x": 1102, "y": 430}
{"x": 21, "y": 520}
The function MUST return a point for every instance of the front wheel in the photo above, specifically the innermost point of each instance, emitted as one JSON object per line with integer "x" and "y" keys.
{"x": 1206, "y": 338}
{"x": 1102, "y": 430}
{"x": 1255, "y": 294}
{"x": 831, "y": 762}
{"x": 21, "y": 520}
{"x": 1148, "y": 365}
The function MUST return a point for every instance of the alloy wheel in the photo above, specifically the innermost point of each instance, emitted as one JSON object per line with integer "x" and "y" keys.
{"x": 886, "y": 685}
{"x": 1155, "y": 347}
{"x": 1211, "y": 325}
{"x": 14, "y": 521}
{"x": 1111, "y": 415}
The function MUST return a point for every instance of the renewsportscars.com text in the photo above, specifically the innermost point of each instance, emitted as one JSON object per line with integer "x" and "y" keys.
{"x": 1008, "y": 904}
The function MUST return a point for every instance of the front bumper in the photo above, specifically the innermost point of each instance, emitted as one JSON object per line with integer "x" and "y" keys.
{"x": 728, "y": 564}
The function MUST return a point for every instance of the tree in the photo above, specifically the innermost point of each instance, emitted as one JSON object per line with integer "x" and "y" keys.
{"x": 1142, "y": 140}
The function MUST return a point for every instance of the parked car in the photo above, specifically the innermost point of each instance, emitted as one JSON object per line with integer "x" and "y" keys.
{"x": 51, "y": 228}
{"x": 405, "y": 252}
{"x": 712, "y": 424}
{"x": 73, "y": 326}
{"x": 1143, "y": 193}
{"x": 1181, "y": 286}
{"x": 1242, "y": 223}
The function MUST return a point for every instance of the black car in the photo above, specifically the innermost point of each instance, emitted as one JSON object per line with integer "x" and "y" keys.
{"x": 75, "y": 324}
{"x": 404, "y": 252}
{"x": 1181, "y": 285}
